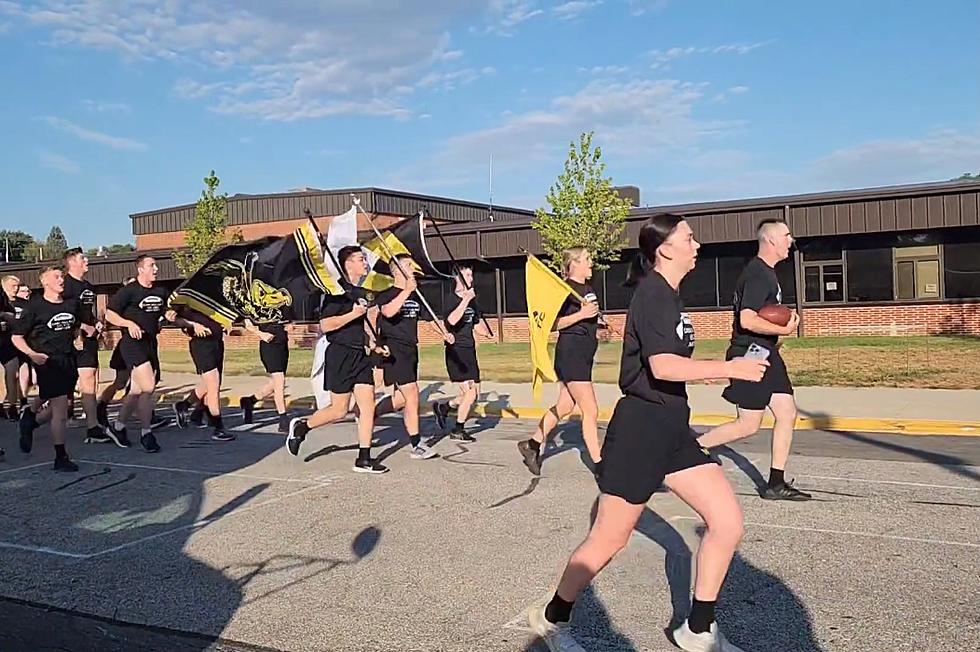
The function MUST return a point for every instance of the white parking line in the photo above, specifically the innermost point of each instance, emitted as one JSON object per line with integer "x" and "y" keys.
{"x": 894, "y": 482}
{"x": 24, "y": 468}
{"x": 233, "y": 474}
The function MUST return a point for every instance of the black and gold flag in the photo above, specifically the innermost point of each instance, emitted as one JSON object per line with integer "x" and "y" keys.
{"x": 406, "y": 237}
{"x": 265, "y": 281}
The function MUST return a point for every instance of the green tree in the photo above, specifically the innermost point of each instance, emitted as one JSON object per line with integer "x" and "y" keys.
{"x": 206, "y": 233}
{"x": 110, "y": 249}
{"x": 56, "y": 244}
{"x": 17, "y": 247}
{"x": 585, "y": 209}
{"x": 966, "y": 176}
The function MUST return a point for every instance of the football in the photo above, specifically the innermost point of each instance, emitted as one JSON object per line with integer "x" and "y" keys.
{"x": 776, "y": 313}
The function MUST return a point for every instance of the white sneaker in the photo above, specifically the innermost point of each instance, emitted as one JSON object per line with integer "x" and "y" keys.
{"x": 423, "y": 452}
{"x": 711, "y": 641}
{"x": 558, "y": 637}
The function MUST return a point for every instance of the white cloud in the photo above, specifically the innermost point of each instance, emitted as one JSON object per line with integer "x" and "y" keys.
{"x": 449, "y": 80}
{"x": 286, "y": 60}
{"x": 738, "y": 90}
{"x": 106, "y": 107}
{"x": 115, "y": 142}
{"x": 57, "y": 162}
{"x": 640, "y": 7}
{"x": 605, "y": 70}
{"x": 573, "y": 9}
{"x": 508, "y": 14}
{"x": 661, "y": 58}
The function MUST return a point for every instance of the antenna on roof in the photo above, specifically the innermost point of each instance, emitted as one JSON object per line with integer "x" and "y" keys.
{"x": 491, "y": 186}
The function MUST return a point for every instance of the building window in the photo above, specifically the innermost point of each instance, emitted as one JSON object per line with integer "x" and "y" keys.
{"x": 729, "y": 269}
{"x": 869, "y": 275}
{"x": 961, "y": 263}
{"x": 617, "y": 295}
{"x": 823, "y": 282}
{"x": 917, "y": 272}
{"x": 699, "y": 289}
{"x": 485, "y": 284}
{"x": 515, "y": 288}
{"x": 786, "y": 275}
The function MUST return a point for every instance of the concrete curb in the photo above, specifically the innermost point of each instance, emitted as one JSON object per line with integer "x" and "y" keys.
{"x": 918, "y": 427}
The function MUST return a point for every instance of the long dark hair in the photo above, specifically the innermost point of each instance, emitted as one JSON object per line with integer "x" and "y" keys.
{"x": 653, "y": 233}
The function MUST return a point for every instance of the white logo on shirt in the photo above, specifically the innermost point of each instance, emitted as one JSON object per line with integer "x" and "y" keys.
{"x": 591, "y": 297}
{"x": 87, "y": 296}
{"x": 152, "y": 303}
{"x": 779, "y": 293}
{"x": 18, "y": 311}
{"x": 685, "y": 329}
{"x": 410, "y": 309}
{"x": 63, "y": 321}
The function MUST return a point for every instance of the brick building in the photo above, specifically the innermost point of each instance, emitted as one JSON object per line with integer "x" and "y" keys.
{"x": 896, "y": 260}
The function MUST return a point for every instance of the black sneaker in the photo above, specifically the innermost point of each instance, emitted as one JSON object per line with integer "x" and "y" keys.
{"x": 247, "y": 404}
{"x": 785, "y": 491}
{"x": 102, "y": 414}
{"x": 12, "y": 413}
{"x": 181, "y": 414}
{"x": 64, "y": 464}
{"x": 441, "y": 410}
{"x": 532, "y": 458}
{"x": 28, "y": 422}
{"x": 284, "y": 423}
{"x": 157, "y": 422}
{"x": 222, "y": 435}
{"x": 118, "y": 437}
{"x": 459, "y": 434}
{"x": 369, "y": 466}
{"x": 297, "y": 433}
{"x": 197, "y": 417}
{"x": 149, "y": 443}
{"x": 97, "y": 435}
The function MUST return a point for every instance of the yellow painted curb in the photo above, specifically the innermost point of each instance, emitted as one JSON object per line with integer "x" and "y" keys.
{"x": 923, "y": 427}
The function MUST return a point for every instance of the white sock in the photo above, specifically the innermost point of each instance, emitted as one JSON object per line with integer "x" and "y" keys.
{"x": 146, "y": 431}
{"x": 118, "y": 425}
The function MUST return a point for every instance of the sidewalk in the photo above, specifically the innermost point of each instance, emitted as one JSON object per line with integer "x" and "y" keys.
{"x": 859, "y": 409}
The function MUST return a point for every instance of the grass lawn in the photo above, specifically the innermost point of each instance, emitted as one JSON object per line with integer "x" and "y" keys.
{"x": 934, "y": 362}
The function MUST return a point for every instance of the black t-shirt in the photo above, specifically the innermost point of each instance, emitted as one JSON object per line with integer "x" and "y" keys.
{"x": 49, "y": 328}
{"x": 403, "y": 328}
{"x": 6, "y": 324}
{"x": 586, "y": 327}
{"x": 84, "y": 293}
{"x": 656, "y": 324}
{"x": 757, "y": 286}
{"x": 145, "y": 306}
{"x": 352, "y": 333}
{"x": 278, "y": 332}
{"x": 463, "y": 329}
{"x": 19, "y": 305}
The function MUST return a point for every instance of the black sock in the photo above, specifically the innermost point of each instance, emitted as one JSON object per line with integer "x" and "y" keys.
{"x": 363, "y": 454}
{"x": 558, "y": 610}
{"x": 701, "y": 616}
{"x": 415, "y": 439}
{"x": 458, "y": 427}
{"x": 534, "y": 444}
{"x": 216, "y": 421}
{"x": 776, "y": 477}
{"x": 59, "y": 451}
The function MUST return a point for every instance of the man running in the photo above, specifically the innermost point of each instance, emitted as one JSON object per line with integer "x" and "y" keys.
{"x": 79, "y": 290}
{"x": 207, "y": 349}
{"x": 274, "y": 353}
{"x": 757, "y": 287}
{"x": 137, "y": 309}
{"x": 461, "y": 362}
{"x": 46, "y": 332}
{"x": 8, "y": 353}
{"x": 26, "y": 373}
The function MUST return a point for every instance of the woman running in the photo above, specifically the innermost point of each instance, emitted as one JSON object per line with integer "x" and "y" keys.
{"x": 648, "y": 443}
{"x": 577, "y": 324}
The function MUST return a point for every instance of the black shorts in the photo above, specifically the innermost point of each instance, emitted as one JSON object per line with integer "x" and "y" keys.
{"x": 645, "y": 442}
{"x": 462, "y": 365}
{"x": 7, "y": 351}
{"x": 116, "y": 361}
{"x": 208, "y": 354}
{"x": 88, "y": 357}
{"x": 402, "y": 366}
{"x": 137, "y": 352}
{"x": 345, "y": 367}
{"x": 574, "y": 357}
{"x": 274, "y": 356}
{"x": 57, "y": 377}
{"x": 756, "y": 396}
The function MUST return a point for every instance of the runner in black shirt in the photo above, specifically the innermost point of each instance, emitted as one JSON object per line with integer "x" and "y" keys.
{"x": 398, "y": 327}
{"x": 46, "y": 332}
{"x": 648, "y": 443}
{"x": 207, "y": 349}
{"x": 274, "y": 353}
{"x": 9, "y": 362}
{"x": 80, "y": 290}
{"x": 461, "y": 316}
{"x": 577, "y": 325}
{"x": 137, "y": 309}
{"x": 26, "y": 371}
{"x": 348, "y": 363}
{"x": 757, "y": 287}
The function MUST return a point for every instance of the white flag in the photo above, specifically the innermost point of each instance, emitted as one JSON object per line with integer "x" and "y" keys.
{"x": 341, "y": 233}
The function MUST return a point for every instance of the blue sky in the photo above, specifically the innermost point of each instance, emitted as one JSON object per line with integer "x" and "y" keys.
{"x": 111, "y": 108}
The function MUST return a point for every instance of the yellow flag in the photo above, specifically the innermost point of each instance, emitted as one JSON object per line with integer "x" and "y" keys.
{"x": 546, "y": 293}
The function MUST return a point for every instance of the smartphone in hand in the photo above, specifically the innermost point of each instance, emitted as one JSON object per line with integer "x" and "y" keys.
{"x": 757, "y": 352}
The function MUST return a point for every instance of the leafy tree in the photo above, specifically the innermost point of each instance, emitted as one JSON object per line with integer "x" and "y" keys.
{"x": 56, "y": 244}
{"x": 206, "y": 233}
{"x": 17, "y": 246}
{"x": 966, "y": 176}
{"x": 585, "y": 211}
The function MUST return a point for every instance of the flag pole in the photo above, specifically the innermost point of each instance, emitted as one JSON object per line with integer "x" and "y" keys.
{"x": 391, "y": 256}
{"x": 452, "y": 259}
{"x": 340, "y": 270}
